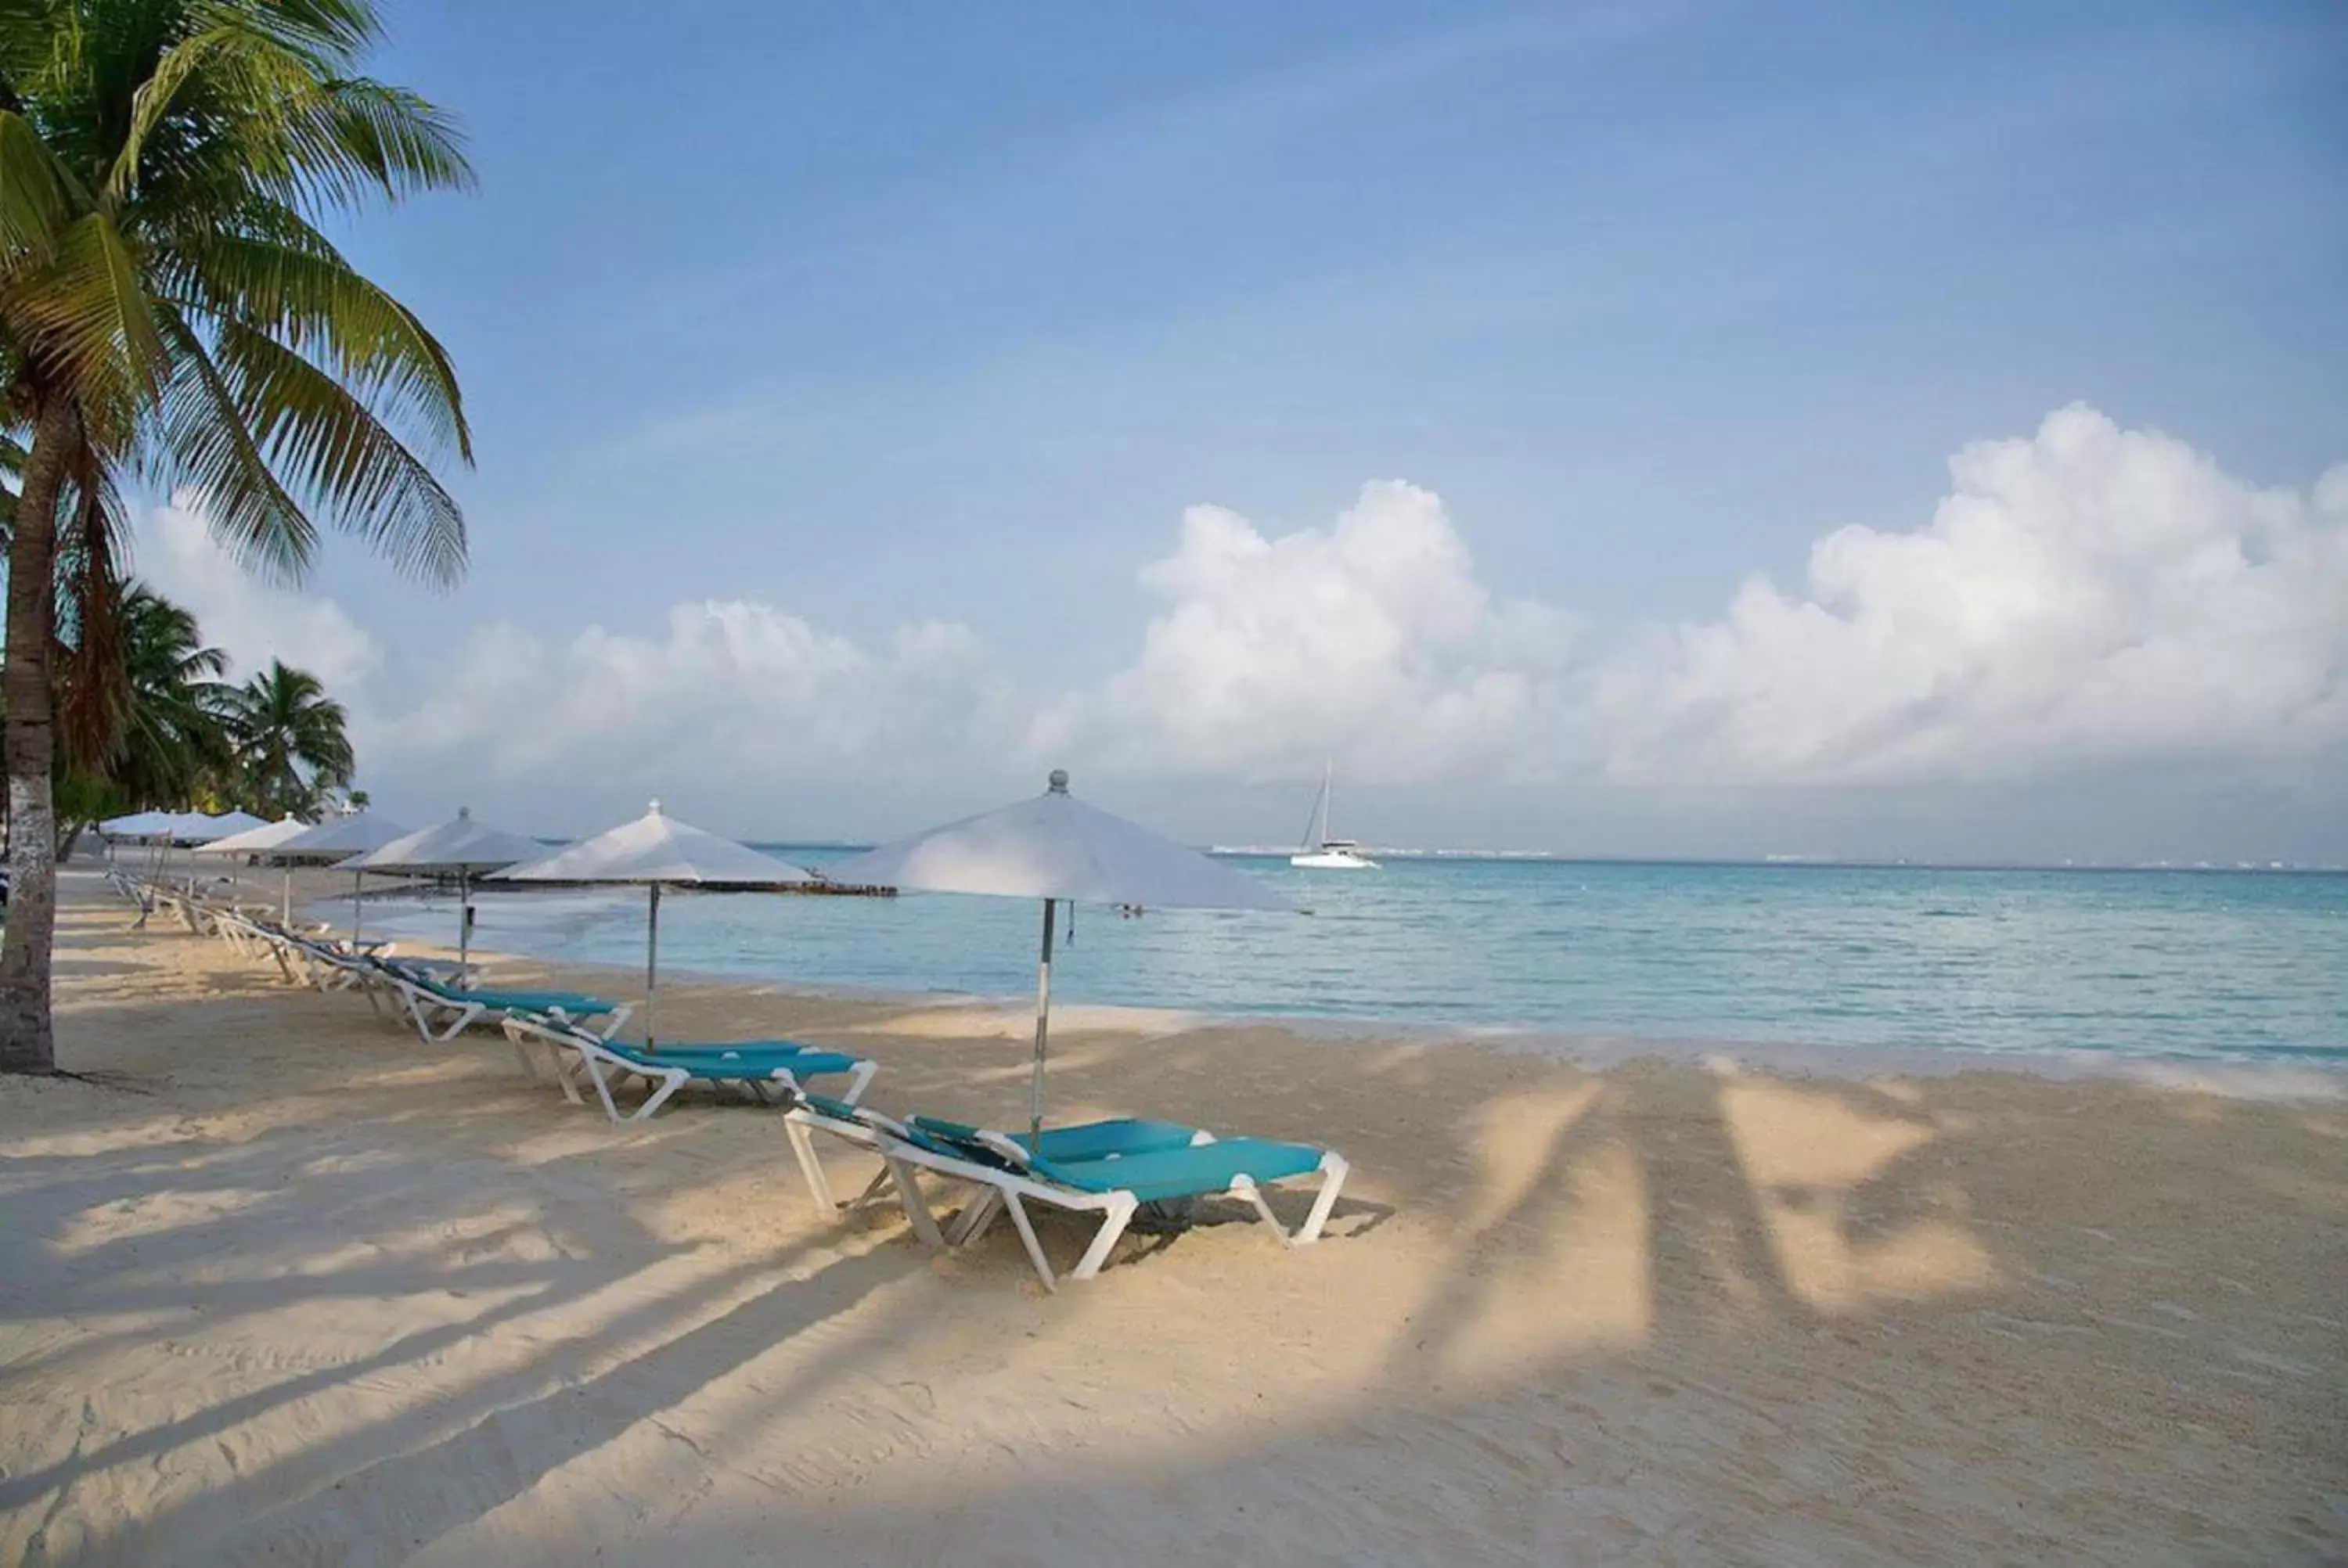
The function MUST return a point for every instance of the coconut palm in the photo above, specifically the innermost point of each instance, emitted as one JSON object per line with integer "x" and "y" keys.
{"x": 290, "y": 741}
{"x": 160, "y": 733}
{"x": 170, "y": 308}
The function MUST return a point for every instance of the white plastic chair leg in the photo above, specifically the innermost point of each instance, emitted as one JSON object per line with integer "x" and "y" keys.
{"x": 1333, "y": 1170}
{"x": 976, "y": 1218}
{"x": 566, "y": 1078}
{"x": 872, "y": 1189}
{"x": 1019, "y": 1212}
{"x": 671, "y": 1081}
{"x": 811, "y": 1170}
{"x": 1113, "y": 1223}
{"x": 917, "y": 1207}
{"x": 1246, "y": 1188}
{"x": 603, "y": 1091}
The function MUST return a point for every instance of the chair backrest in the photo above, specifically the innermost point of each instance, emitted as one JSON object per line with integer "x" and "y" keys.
{"x": 864, "y": 1116}
{"x": 980, "y": 1144}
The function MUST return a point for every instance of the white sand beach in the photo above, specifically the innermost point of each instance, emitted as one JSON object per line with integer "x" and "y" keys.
{"x": 283, "y": 1285}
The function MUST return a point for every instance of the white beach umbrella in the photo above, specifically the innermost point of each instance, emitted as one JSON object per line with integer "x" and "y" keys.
{"x": 657, "y": 851}
{"x": 1053, "y": 847}
{"x": 141, "y": 827}
{"x": 333, "y": 842}
{"x": 338, "y": 839}
{"x": 202, "y": 827}
{"x": 460, "y": 848}
{"x": 254, "y": 841}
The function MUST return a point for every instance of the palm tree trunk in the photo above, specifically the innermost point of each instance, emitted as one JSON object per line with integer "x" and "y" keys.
{"x": 28, "y": 746}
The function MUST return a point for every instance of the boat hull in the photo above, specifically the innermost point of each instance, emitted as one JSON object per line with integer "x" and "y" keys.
{"x": 1332, "y": 860}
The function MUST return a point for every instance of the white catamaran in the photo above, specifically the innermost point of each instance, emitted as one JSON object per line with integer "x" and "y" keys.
{"x": 1322, "y": 853}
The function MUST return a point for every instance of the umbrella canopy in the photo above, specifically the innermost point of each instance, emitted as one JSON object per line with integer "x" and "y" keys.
{"x": 139, "y": 825}
{"x": 657, "y": 851}
{"x": 1051, "y": 848}
{"x": 255, "y": 840}
{"x": 339, "y": 839}
{"x": 335, "y": 841}
{"x": 259, "y": 841}
{"x": 456, "y": 846}
{"x": 201, "y": 827}
{"x": 1056, "y": 846}
{"x": 460, "y": 848}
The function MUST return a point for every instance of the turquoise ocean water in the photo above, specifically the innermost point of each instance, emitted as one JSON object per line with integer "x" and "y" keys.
{"x": 2201, "y": 966}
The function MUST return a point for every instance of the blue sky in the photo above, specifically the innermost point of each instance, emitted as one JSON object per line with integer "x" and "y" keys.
{"x": 884, "y": 315}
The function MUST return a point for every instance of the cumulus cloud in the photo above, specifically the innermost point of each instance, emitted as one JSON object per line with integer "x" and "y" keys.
{"x": 2088, "y": 595}
{"x": 2085, "y": 597}
{"x": 1372, "y": 640}
{"x": 250, "y": 621}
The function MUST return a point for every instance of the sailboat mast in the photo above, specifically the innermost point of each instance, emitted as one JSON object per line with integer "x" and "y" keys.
{"x": 1316, "y": 826}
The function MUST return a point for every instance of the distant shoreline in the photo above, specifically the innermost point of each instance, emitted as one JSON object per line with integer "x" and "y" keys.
{"x": 1786, "y": 862}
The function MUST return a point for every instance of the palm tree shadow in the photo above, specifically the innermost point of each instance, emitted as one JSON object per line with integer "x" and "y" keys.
{"x": 424, "y": 1493}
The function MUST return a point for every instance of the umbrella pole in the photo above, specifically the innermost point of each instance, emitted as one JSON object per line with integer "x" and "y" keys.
{"x": 354, "y": 910}
{"x": 464, "y": 921}
{"x": 285, "y": 916}
{"x": 652, "y": 962}
{"x": 1043, "y": 1029}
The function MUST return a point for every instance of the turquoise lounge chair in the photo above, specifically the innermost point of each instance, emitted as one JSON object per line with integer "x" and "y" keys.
{"x": 1087, "y": 1141}
{"x": 757, "y": 1065}
{"x": 1109, "y": 1168}
{"x": 442, "y": 1011}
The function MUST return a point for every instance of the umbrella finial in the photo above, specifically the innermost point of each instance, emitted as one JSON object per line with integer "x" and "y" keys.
{"x": 1060, "y": 781}
{"x": 654, "y": 810}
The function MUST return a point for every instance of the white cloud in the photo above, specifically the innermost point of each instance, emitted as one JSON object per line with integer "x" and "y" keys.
{"x": 2087, "y": 597}
{"x": 1372, "y": 640}
{"x": 250, "y": 621}
{"x": 734, "y": 691}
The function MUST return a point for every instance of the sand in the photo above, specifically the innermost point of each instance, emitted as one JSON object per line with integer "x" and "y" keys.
{"x": 284, "y": 1286}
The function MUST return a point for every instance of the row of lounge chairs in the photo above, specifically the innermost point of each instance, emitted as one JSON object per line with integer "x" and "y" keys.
{"x": 1110, "y": 1169}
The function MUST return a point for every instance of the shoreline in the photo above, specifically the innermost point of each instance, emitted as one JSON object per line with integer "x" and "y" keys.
{"x": 2320, "y": 1077}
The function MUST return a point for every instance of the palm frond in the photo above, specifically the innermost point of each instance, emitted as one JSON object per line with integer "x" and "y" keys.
{"x": 90, "y": 318}
{"x": 37, "y": 192}
{"x": 329, "y": 445}
{"x": 310, "y": 299}
{"x": 302, "y": 126}
{"x": 201, "y": 439}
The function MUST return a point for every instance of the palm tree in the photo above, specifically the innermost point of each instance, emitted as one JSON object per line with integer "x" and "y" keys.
{"x": 169, "y": 307}
{"x": 290, "y": 739}
{"x": 148, "y": 724}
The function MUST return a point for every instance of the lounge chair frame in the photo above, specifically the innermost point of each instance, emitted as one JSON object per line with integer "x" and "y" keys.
{"x": 592, "y": 1060}
{"x": 1009, "y": 1188}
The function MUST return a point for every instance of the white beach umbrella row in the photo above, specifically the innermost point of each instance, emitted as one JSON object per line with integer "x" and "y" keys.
{"x": 1053, "y": 848}
{"x": 179, "y": 826}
